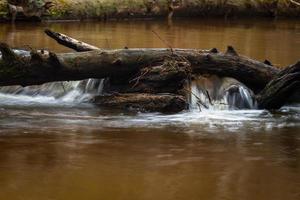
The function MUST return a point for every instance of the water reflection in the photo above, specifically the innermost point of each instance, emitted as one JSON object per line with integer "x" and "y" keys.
{"x": 149, "y": 164}
{"x": 55, "y": 149}
{"x": 260, "y": 39}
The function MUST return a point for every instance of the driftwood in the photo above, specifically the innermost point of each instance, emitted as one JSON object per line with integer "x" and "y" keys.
{"x": 70, "y": 42}
{"x": 146, "y": 72}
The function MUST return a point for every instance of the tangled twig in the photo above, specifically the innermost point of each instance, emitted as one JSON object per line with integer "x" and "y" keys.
{"x": 137, "y": 79}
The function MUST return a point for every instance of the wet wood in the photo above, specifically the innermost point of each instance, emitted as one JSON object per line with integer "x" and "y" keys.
{"x": 252, "y": 73}
{"x": 278, "y": 91}
{"x": 70, "y": 42}
{"x": 166, "y": 103}
{"x": 105, "y": 63}
{"x": 169, "y": 76}
{"x": 141, "y": 75}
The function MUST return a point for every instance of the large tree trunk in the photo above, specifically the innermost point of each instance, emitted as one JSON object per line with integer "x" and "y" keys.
{"x": 80, "y": 46}
{"x": 148, "y": 71}
{"x": 41, "y": 68}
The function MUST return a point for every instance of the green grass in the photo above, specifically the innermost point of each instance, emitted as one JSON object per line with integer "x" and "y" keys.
{"x": 3, "y": 9}
{"x": 137, "y": 8}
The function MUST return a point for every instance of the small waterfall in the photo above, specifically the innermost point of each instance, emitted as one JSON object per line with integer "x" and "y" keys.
{"x": 214, "y": 93}
{"x": 239, "y": 97}
{"x": 84, "y": 90}
{"x": 19, "y": 52}
{"x": 72, "y": 91}
{"x": 209, "y": 93}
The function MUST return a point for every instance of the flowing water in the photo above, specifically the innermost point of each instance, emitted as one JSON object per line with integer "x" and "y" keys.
{"x": 55, "y": 145}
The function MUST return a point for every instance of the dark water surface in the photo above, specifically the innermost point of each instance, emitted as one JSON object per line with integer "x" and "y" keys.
{"x": 58, "y": 149}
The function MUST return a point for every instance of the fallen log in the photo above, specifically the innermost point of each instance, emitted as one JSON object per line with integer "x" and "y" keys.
{"x": 263, "y": 72}
{"x": 141, "y": 71}
{"x": 209, "y": 67}
{"x": 41, "y": 68}
{"x": 168, "y": 77}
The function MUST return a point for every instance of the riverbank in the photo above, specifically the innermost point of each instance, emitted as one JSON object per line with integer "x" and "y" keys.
{"x": 124, "y": 9}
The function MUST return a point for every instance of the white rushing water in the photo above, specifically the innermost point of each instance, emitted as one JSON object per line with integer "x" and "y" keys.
{"x": 215, "y": 93}
{"x": 56, "y": 93}
{"x": 206, "y": 94}
{"x": 213, "y": 96}
{"x": 215, "y": 104}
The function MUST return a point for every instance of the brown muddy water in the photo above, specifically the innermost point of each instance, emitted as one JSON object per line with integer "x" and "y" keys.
{"x": 62, "y": 148}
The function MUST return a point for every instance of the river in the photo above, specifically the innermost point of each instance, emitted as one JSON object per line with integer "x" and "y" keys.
{"x": 64, "y": 148}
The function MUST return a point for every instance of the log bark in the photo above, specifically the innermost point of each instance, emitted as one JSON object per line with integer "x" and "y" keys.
{"x": 151, "y": 71}
{"x": 165, "y": 103}
{"x": 168, "y": 77}
{"x": 70, "y": 42}
{"x": 42, "y": 68}
{"x": 265, "y": 74}
{"x": 280, "y": 89}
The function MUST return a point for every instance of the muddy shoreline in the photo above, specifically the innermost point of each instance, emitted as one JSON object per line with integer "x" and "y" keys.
{"x": 147, "y": 9}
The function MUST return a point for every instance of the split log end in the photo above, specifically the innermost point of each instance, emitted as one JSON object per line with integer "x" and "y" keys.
{"x": 267, "y": 62}
{"x": 49, "y": 32}
{"x": 231, "y": 51}
{"x": 214, "y": 50}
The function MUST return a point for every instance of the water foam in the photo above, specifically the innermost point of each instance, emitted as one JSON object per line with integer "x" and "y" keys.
{"x": 56, "y": 93}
